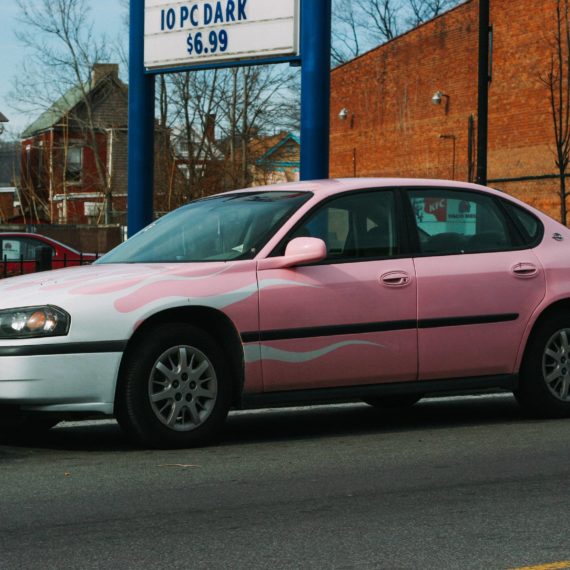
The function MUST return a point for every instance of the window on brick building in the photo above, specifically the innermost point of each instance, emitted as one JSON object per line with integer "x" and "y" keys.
{"x": 74, "y": 163}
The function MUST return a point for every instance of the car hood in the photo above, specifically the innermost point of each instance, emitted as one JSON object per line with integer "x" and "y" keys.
{"x": 110, "y": 300}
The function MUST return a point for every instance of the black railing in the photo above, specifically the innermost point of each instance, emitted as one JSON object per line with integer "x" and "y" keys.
{"x": 44, "y": 261}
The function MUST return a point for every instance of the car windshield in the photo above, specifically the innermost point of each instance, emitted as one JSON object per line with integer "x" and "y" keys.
{"x": 221, "y": 228}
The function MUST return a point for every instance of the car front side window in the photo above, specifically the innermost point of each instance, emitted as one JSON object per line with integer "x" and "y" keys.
{"x": 355, "y": 227}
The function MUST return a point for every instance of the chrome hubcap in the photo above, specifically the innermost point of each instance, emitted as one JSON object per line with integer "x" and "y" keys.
{"x": 556, "y": 365}
{"x": 182, "y": 388}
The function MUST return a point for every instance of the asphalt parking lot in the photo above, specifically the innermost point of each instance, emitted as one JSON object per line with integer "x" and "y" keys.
{"x": 451, "y": 483}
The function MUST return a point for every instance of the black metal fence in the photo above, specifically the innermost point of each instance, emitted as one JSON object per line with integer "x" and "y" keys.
{"x": 44, "y": 261}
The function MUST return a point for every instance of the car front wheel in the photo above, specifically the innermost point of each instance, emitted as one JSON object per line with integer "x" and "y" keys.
{"x": 544, "y": 388}
{"x": 175, "y": 389}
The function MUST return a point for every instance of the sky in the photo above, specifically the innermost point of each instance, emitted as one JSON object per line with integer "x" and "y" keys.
{"x": 107, "y": 16}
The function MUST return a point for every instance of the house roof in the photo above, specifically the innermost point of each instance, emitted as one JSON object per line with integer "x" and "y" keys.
{"x": 271, "y": 145}
{"x": 3, "y": 118}
{"x": 56, "y": 112}
{"x": 66, "y": 103}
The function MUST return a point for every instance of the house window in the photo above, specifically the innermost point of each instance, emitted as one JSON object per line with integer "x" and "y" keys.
{"x": 74, "y": 164}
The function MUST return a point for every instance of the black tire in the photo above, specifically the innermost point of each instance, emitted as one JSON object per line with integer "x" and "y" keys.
{"x": 179, "y": 415}
{"x": 395, "y": 401}
{"x": 535, "y": 393}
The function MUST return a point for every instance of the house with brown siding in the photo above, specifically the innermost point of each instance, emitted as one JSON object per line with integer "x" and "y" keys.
{"x": 74, "y": 155}
{"x": 277, "y": 158}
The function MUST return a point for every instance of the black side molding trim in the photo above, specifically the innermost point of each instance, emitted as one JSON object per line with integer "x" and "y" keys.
{"x": 361, "y": 328}
{"x": 334, "y": 330}
{"x": 459, "y": 321}
{"x": 65, "y": 348}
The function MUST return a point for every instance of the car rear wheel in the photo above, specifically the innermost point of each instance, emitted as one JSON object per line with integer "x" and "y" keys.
{"x": 544, "y": 388}
{"x": 175, "y": 389}
{"x": 395, "y": 401}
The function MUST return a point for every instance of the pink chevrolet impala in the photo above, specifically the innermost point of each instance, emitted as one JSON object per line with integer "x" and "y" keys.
{"x": 374, "y": 289}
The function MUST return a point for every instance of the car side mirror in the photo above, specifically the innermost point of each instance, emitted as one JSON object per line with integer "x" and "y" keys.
{"x": 299, "y": 251}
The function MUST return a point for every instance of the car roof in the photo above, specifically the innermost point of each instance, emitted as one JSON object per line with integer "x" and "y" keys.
{"x": 337, "y": 185}
{"x": 323, "y": 188}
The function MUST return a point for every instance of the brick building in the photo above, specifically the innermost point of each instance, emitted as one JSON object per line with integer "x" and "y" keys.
{"x": 389, "y": 125}
{"x": 75, "y": 153}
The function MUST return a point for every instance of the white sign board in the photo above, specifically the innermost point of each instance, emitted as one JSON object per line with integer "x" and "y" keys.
{"x": 206, "y": 31}
{"x": 10, "y": 250}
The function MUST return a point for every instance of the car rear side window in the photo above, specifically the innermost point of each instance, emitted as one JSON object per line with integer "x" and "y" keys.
{"x": 528, "y": 225}
{"x": 454, "y": 221}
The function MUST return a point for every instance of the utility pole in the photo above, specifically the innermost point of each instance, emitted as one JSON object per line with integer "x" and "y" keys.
{"x": 483, "y": 92}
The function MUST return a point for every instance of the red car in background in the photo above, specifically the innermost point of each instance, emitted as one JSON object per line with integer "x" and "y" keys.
{"x": 19, "y": 250}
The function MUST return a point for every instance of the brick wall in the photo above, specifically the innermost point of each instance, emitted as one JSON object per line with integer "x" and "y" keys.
{"x": 393, "y": 129}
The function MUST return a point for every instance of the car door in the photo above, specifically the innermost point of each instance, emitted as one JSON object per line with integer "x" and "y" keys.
{"x": 350, "y": 320}
{"x": 478, "y": 284}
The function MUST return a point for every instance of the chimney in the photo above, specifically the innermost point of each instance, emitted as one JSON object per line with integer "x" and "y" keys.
{"x": 102, "y": 70}
{"x": 210, "y": 128}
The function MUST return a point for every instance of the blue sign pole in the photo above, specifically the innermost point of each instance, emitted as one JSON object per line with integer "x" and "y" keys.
{"x": 141, "y": 127}
{"x": 315, "y": 88}
{"x": 315, "y": 106}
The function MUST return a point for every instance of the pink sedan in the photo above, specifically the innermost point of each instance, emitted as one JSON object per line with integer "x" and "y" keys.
{"x": 376, "y": 289}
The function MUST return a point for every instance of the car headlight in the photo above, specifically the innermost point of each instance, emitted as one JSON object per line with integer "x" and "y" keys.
{"x": 34, "y": 322}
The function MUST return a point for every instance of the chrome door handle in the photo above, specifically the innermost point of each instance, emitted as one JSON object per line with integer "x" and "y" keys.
{"x": 395, "y": 279}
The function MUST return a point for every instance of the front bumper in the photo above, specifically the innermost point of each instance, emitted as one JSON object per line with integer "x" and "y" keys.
{"x": 60, "y": 383}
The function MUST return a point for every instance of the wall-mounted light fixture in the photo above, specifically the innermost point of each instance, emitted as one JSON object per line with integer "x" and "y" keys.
{"x": 344, "y": 114}
{"x": 438, "y": 97}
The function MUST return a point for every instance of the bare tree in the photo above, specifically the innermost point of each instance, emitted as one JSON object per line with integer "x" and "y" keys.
{"x": 424, "y": 10}
{"x": 359, "y": 25}
{"x": 557, "y": 81}
{"x": 347, "y": 37}
{"x": 194, "y": 105}
{"x": 217, "y": 117}
{"x": 383, "y": 18}
{"x": 257, "y": 101}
